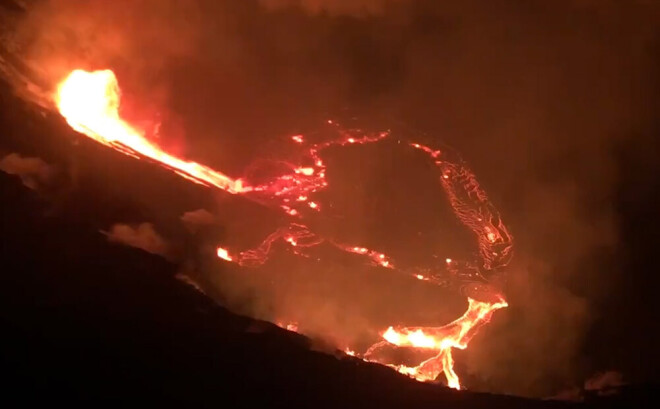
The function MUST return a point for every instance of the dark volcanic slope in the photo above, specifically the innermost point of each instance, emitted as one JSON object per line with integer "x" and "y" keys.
{"x": 86, "y": 319}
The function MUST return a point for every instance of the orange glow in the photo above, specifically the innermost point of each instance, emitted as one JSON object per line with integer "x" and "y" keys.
{"x": 291, "y": 326}
{"x": 224, "y": 254}
{"x": 376, "y": 257}
{"x": 305, "y": 171}
{"x": 442, "y": 339}
{"x": 89, "y": 101}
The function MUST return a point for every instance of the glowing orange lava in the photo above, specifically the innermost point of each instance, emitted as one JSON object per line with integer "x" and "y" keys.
{"x": 224, "y": 254}
{"x": 90, "y": 103}
{"x": 442, "y": 339}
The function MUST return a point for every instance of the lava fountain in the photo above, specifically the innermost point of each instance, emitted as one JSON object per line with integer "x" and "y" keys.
{"x": 90, "y": 103}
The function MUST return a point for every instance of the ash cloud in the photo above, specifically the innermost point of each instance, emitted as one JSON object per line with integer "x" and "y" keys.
{"x": 142, "y": 236}
{"x": 538, "y": 97}
{"x": 33, "y": 172}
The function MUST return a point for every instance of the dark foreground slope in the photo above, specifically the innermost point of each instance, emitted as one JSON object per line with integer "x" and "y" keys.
{"x": 85, "y": 320}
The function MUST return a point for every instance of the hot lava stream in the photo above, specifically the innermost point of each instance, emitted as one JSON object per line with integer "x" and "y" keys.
{"x": 89, "y": 101}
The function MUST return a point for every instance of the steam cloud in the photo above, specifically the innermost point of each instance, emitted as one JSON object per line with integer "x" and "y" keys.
{"x": 603, "y": 381}
{"x": 196, "y": 218}
{"x": 601, "y": 384}
{"x": 32, "y": 171}
{"x": 537, "y": 97}
{"x": 142, "y": 236}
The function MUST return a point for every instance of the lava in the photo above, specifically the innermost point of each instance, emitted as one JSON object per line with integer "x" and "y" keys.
{"x": 89, "y": 101}
{"x": 224, "y": 254}
{"x": 441, "y": 339}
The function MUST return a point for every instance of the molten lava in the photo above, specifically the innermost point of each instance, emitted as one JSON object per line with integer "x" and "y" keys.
{"x": 89, "y": 101}
{"x": 441, "y": 339}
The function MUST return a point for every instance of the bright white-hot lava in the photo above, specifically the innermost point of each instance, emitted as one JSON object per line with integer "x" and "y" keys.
{"x": 90, "y": 101}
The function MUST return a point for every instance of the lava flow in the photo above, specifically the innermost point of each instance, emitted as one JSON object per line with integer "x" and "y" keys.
{"x": 89, "y": 101}
{"x": 441, "y": 339}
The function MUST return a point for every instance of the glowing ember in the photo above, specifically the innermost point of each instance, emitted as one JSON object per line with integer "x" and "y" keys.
{"x": 291, "y": 326}
{"x": 90, "y": 103}
{"x": 224, "y": 254}
{"x": 305, "y": 171}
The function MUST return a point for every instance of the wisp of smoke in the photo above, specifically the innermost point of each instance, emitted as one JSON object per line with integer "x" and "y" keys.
{"x": 142, "y": 236}
{"x": 32, "y": 171}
